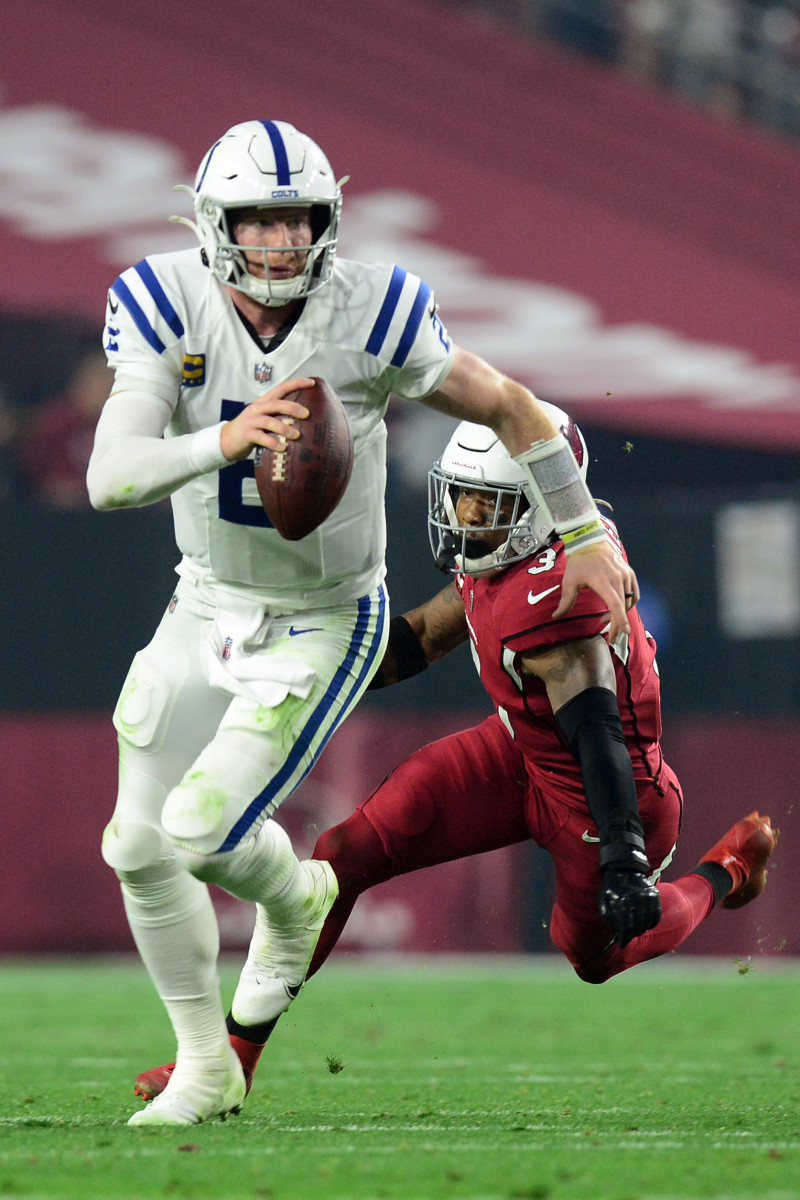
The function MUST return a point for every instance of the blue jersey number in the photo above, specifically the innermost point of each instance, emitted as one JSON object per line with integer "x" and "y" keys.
{"x": 229, "y": 495}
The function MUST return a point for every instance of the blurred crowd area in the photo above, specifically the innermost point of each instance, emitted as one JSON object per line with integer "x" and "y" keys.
{"x": 53, "y": 384}
{"x": 739, "y": 59}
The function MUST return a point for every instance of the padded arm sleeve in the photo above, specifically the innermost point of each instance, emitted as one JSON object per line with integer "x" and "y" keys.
{"x": 556, "y": 482}
{"x": 591, "y": 725}
{"x": 132, "y": 464}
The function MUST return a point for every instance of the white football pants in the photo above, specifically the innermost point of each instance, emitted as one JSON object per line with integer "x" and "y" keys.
{"x": 221, "y": 717}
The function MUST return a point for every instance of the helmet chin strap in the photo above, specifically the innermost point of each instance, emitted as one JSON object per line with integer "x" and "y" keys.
{"x": 178, "y": 220}
{"x": 187, "y": 222}
{"x": 482, "y": 564}
{"x": 272, "y": 294}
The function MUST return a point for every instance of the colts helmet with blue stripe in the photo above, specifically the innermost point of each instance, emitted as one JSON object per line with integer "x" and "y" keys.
{"x": 476, "y": 459}
{"x": 266, "y": 164}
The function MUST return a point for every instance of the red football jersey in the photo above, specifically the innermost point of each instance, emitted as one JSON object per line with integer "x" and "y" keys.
{"x": 511, "y": 612}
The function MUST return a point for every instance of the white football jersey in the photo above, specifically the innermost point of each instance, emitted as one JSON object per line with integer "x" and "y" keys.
{"x": 173, "y": 332}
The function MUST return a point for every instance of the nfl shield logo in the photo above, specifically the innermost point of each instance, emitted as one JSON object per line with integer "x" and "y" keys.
{"x": 262, "y": 372}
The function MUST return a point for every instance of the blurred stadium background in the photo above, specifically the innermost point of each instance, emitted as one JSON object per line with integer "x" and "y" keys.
{"x": 605, "y": 198}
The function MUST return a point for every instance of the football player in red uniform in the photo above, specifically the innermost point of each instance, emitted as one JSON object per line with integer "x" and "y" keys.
{"x": 571, "y": 757}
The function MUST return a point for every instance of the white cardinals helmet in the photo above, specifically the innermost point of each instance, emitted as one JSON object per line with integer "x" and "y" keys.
{"x": 266, "y": 164}
{"x": 476, "y": 458}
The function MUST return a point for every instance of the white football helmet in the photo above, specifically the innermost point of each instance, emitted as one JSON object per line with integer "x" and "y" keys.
{"x": 476, "y": 458}
{"x": 266, "y": 164}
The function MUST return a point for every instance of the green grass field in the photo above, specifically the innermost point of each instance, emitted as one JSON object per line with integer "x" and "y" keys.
{"x": 487, "y": 1080}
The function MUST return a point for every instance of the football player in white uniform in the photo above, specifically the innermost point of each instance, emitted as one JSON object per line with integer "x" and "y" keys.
{"x": 267, "y": 645}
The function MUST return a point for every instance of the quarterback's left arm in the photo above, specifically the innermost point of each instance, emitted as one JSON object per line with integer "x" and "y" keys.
{"x": 475, "y": 391}
{"x": 581, "y": 686}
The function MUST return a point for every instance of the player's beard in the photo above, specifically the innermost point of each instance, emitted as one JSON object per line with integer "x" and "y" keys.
{"x": 476, "y": 547}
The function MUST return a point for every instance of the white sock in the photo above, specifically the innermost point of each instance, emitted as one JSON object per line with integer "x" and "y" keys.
{"x": 175, "y": 929}
{"x": 265, "y": 869}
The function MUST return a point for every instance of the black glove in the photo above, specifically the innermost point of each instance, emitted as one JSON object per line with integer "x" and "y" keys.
{"x": 628, "y": 903}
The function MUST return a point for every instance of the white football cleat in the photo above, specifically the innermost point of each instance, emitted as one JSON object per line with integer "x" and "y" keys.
{"x": 279, "y": 959}
{"x": 192, "y": 1097}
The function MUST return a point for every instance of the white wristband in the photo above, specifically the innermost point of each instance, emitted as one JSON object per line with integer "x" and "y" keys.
{"x": 556, "y": 482}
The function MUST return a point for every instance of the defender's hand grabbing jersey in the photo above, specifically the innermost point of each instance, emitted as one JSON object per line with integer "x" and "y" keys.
{"x": 511, "y": 612}
{"x": 185, "y": 363}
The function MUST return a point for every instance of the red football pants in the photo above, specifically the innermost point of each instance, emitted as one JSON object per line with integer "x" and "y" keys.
{"x": 470, "y": 793}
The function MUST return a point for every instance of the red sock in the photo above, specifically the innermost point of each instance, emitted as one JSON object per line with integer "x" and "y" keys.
{"x": 249, "y": 1053}
{"x": 684, "y": 904}
{"x": 356, "y": 854}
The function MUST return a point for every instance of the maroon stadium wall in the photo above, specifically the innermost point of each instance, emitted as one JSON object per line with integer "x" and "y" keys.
{"x": 59, "y": 781}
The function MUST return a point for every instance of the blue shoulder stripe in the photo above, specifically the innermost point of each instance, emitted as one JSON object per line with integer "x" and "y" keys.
{"x": 412, "y": 324}
{"x": 148, "y": 278}
{"x": 390, "y": 302}
{"x": 279, "y": 150}
{"x": 121, "y": 289}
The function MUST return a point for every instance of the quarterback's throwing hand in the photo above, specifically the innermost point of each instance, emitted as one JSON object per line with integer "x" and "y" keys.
{"x": 601, "y": 568}
{"x": 628, "y": 904}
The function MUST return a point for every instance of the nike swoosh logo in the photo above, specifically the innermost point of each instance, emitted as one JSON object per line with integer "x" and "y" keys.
{"x": 294, "y": 632}
{"x": 587, "y": 837}
{"x": 541, "y": 595}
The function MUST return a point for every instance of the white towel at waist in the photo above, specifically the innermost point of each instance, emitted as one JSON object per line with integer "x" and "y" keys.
{"x": 240, "y": 660}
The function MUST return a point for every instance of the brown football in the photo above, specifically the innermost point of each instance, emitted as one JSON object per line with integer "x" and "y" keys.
{"x": 301, "y": 485}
